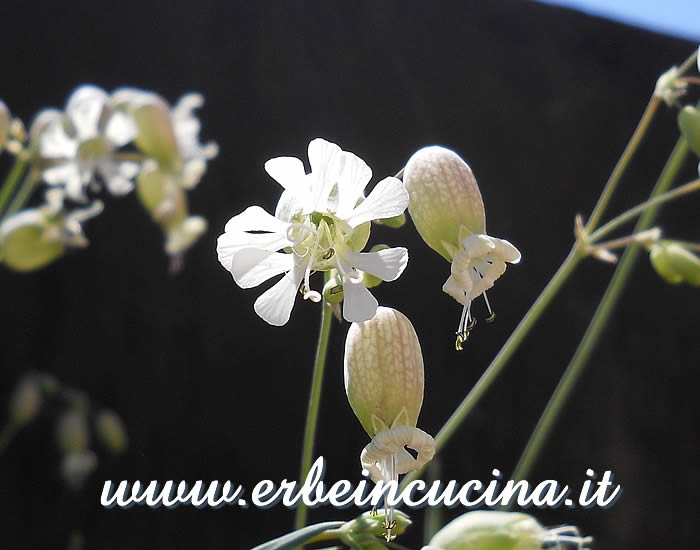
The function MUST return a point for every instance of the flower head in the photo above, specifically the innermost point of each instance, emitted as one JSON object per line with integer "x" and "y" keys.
{"x": 79, "y": 145}
{"x": 321, "y": 223}
{"x": 384, "y": 380}
{"x": 503, "y": 530}
{"x": 448, "y": 212}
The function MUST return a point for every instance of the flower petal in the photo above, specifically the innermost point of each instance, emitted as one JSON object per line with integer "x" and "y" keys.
{"x": 231, "y": 242}
{"x": 253, "y": 266}
{"x": 275, "y": 304}
{"x": 120, "y": 129}
{"x": 358, "y": 303}
{"x": 389, "y": 198}
{"x": 287, "y": 171}
{"x": 352, "y": 181}
{"x": 387, "y": 264}
{"x": 54, "y": 142}
{"x": 84, "y": 110}
{"x": 325, "y": 159}
{"x": 506, "y": 251}
{"x": 255, "y": 218}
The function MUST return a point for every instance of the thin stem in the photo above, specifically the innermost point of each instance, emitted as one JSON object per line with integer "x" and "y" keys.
{"x": 26, "y": 189}
{"x": 597, "y": 324}
{"x": 313, "y": 406}
{"x": 629, "y": 151}
{"x": 12, "y": 180}
{"x": 622, "y": 163}
{"x": 637, "y": 210}
{"x": 500, "y": 361}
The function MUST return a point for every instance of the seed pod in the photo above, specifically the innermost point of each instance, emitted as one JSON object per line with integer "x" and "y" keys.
{"x": 28, "y": 242}
{"x": 384, "y": 371}
{"x": 444, "y": 199}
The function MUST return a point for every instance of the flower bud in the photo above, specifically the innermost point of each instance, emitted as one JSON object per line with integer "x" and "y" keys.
{"x": 372, "y": 523}
{"x": 4, "y": 124}
{"x": 444, "y": 199}
{"x": 72, "y": 432}
{"x": 492, "y": 530}
{"x": 689, "y": 125}
{"x": 25, "y": 401}
{"x": 27, "y": 241}
{"x": 384, "y": 371}
{"x": 674, "y": 263}
{"x": 111, "y": 431}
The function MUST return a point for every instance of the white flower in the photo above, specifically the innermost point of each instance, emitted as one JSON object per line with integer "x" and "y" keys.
{"x": 475, "y": 267}
{"x": 81, "y": 144}
{"x": 321, "y": 222}
{"x": 669, "y": 88}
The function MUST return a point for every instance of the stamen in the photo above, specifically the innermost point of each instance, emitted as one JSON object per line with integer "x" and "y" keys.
{"x": 312, "y": 295}
{"x": 492, "y": 314}
{"x": 466, "y": 324}
{"x": 297, "y": 232}
{"x": 389, "y": 522}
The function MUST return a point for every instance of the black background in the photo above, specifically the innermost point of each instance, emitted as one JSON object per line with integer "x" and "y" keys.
{"x": 540, "y": 101}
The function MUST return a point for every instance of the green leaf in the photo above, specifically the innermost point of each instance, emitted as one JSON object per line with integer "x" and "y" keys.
{"x": 300, "y": 536}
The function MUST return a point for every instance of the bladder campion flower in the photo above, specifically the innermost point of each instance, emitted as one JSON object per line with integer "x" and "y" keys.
{"x": 493, "y": 530}
{"x": 81, "y": 143}
{"x": 448, "y": 212}
{"x": 384, "y": 384}
{"x": 321, "y": 223}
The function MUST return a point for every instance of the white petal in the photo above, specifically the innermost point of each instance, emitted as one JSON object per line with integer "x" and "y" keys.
{"x": 506, "y": 251}
{"x": 453, "y": 289}
{"x": 55, "y": 143}
{"x": 231, "y": 242}
{"x": 351, "y": 183}
{"x": 119, "y": 186}
{"x": 275, "y": 305}
{"x": 358, "y": 303}
{"x": 287, "y": 171}
{"x": 120, "y": 129}
{"x": 252, "y": 266}
{"x": 389, "y": 198}
{"x": 478, "y": 245}
{"x": 387, "y": 264}
{"x": 255, "y": 218}
{"x": 325, "y": 159}
{"x": 84, "y": 109}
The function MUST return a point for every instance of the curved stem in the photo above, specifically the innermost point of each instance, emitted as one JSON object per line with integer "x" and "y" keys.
{"x": 500, "y": 361}
{"x": 26, "y": 189}
{"x": 637, "y": 210}
{"x": 595, "y": 328}
{"x": 12, "y": 180}
{"x": 313, "y": 406}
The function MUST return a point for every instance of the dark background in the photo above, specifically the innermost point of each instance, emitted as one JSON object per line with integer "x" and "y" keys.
{"x": 539, "y": 100}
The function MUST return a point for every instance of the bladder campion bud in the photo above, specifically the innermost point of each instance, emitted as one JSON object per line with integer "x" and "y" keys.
{"x": 111, "y": 431}
{"x": 675, "y": 263}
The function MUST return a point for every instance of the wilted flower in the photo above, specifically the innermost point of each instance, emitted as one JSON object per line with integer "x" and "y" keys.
{"x": 384, "y": 384}
{"x": 448, "y": 212}
{"x": 322, "y": 221}
{"x": 82, "y": 143}
{"x": 492, "y": 530}
{"x": 669, "y": 88}
{"x": 675, "y": 263}
{"x": 36, "y": 237}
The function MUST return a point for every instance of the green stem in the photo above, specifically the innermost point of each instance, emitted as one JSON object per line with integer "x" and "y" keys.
{"x": 500, "y": 361}
{"x": 26, "y": 189}
{"x": 595, "y": 328}
{"x": 637, "y": 210}
{"x": 12, "y": 180}
{"x": 313, "y": 406}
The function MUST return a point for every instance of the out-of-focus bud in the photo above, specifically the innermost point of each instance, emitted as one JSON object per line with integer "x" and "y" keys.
{"x": 675, "y": 263}
{"x": 76, "y": 467}
{"x": 444, "y": 199}
{"x": 669, "y": 88}
{"x": 689, "y": 125}
{"x": 373, "y": 523}
{"x": 72, "y": 432}
{"x": 384, "y": 371}
{"x": 111, "y": 431}
{"x": 395, "y": 223}
{"x": 384, "y": 384}
{"x": 492, "y": 530}
{"x": 25, "y": 401}
{"x": 33, "y": 238}
{"x": 4, "y": 124}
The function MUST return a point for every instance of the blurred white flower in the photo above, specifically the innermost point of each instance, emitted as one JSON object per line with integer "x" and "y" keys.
{"x": 322, "y": 221}
{"x": 81, "y": 143}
